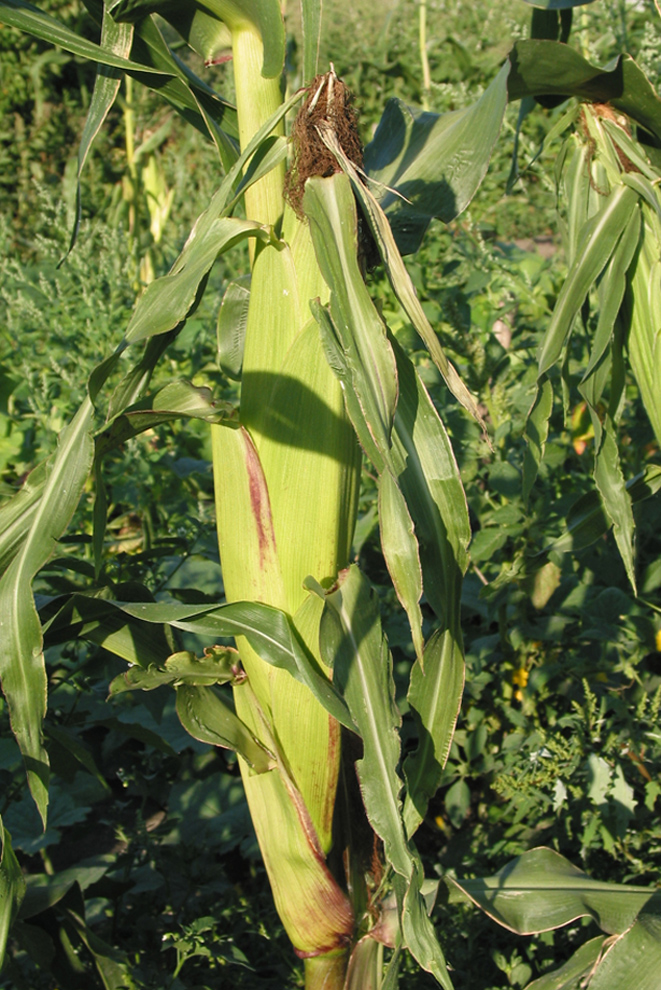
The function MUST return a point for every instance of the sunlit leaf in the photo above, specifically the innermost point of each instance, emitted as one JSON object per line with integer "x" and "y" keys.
{"x": 419, "y": 164}
{"x": 541, "y": 890}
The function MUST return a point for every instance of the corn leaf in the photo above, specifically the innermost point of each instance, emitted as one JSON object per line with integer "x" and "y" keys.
{"x": 262, "y": 14}
{"x": 17, "y": 514}
{"x": 400, "y": 549}
{"x": 575, "y": 971}
{"x": 428, "y": 476}
{"x": 419, "y": 164}
{"x": 360, "y": 332}
{"x": 399, "y": 277}
{"x": 633, "y": 961}
{"x": 12, "y": 888}
{"x": 269, "y": 631}
{"x": 116, "y": 38}
{"x": 541, "y": 890}
{"x": 353, "y": 644}
{"x": 167, "y": 300}
{"x": 219, "y": 665}
{"x": 599, "y": 237}
{"x": 205, "y": 716}
{"x": 22, "y": 666}
{"x": 418, "y": 930}
{"x": 537, "y": 431}
{"x": 587, "y": 521}
{"x": 311, "y": 16}
{"x": 28, "y": 18}
{"x": 89, "y": 618}
{"x": 434, "y": 695}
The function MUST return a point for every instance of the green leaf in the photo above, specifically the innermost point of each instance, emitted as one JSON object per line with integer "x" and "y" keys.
{"x": 599, "y": 238}
{"x": 22, "y": 666}
{"x": 358, "y": 328}
{"x": 30, "y": 19}
{"x": 311, "y": 16}
{"x": 94, "y": 619}
{"x": 548, "y": 68}
{"x": 116, "y": 38}
{"x": 167, "y": 300}
{"x": 418, "y": 930}
{"x": 574, "y": 972}
{"x": 612, "y": 287}
{"x": 434, "y": 695}
{"x": 633, "y": 961}
{"x": 399, "y": 277}
{"x": 12, "y": 889}
{"x": 219, "y": 665}
{"x": 262, "y": 14}
{"x": 428, "y": 475}
{"x": 541, "y": 890}
{"x": 400, "y": 549}
{"x": 176, "y": 400}
{"x": 353, "y": 644}
{"x": 205, "y": 715}
{"x": 269, "y": 631}
{"x": 419, "y": 164}
{"x": 586, "y": 520}
{"x": 536, "y": 434}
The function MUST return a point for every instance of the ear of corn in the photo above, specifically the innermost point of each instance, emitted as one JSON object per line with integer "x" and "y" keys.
{"x": 286, "y": 491}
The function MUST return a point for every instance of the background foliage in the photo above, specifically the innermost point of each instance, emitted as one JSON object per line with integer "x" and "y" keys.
{"x": 149, "y": 870}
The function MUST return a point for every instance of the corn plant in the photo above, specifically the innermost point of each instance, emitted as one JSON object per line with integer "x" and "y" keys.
{"x": 323, "y": 384}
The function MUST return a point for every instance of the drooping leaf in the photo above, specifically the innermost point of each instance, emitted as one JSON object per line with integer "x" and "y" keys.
{"x": 434, "y": 695}
{"x": 22, "y": 666}
{"x": 116, "y": 38}
{"x": 205, "y": 715}
{"x": 264, "y": 15}
{"x": 219, "y": 665}
{"x": 28, "y": 18}
{"x": 541, "y": 890}
{"x": 537, "y": 431}
{"x": 419, "y": 164}
{"x": 399, "y": 277}
{"x": 548, "y": 68}
{"x": 599, "y": 238}
{"x": 400, "y": 550}
{"x": 268, "y": 630}
{"x": 428, "y": 475}
{"x": 586, "y": 520}
{"x": 361, "y": 334}
{"x": 353, "y": 644}
{"x": 12, "y": 888}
